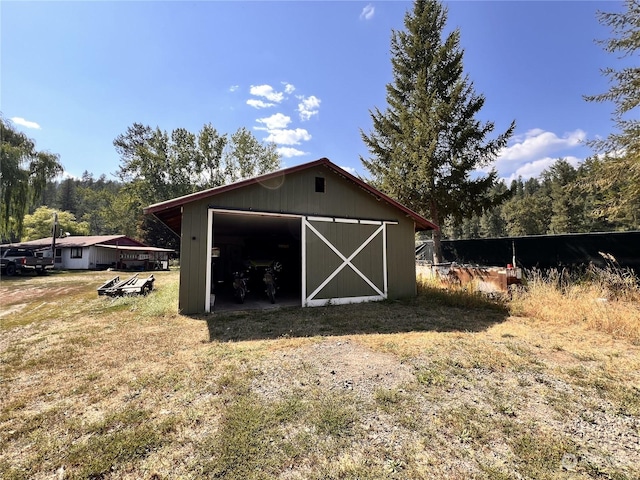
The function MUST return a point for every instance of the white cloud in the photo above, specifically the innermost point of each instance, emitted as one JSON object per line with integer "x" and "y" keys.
{"x": 367, "y": 12}
{"x": 25, "y": 123}
{"x": 536, "y": 167}
{"x": 267, "y": 92}
{"x": 308, "y": 107}
{"x": 538, "y": 142}
{"x": 289, "y": 152}
{"x": 65, "y": 174}
{"x": 274, "y": 122}
{"x": 233, "y": 88}
{"x": 288, "y": 137}
{"x": 530, "y": 169}
{"x": 529, "y": 153}
{"x": 277, "y": 125}
{"x": 255, "y": 103}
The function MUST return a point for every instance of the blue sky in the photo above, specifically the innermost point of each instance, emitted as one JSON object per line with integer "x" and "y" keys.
{"x": 303, "y": 74}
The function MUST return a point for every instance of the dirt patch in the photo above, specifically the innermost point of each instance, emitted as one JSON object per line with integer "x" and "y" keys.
{"x": 11, "y": 296}
{"x": 331, "y": 365}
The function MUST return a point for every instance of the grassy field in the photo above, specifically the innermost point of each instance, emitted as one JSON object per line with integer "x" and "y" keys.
{"x": 446, "y": 385}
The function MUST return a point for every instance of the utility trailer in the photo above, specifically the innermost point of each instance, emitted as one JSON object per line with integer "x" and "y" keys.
{"x": 131, "y": 286}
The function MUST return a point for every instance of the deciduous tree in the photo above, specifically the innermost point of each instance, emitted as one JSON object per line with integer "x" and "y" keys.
{"x": 157, "y": 166}
{"x": 246, "y": 157}
{"x": 39, "y": 224}
{"x": 24, "y": 173}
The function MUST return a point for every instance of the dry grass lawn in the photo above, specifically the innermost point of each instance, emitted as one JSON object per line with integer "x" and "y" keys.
{"x": 447, "y": 385}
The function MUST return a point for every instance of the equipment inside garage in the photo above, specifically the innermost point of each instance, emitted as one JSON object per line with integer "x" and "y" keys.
{"x": 250, "y": 243}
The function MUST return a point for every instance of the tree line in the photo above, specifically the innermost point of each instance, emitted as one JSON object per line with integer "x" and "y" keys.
{"x": 562, "y": 199}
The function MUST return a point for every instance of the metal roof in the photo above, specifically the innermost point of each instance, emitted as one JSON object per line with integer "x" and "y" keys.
{"x": 108, "y": 241}
{"x": 170, "y": 211}
{"x": 73, "y": 241}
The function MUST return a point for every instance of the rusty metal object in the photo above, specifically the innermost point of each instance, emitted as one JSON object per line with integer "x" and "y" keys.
{"x": 479, "y": 278}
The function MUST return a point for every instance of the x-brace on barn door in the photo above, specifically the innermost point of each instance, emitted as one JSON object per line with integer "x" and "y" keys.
{"x": 343, "y": 260}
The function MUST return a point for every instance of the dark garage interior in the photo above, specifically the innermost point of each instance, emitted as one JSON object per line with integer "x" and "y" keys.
{"x": 250, "y": 242}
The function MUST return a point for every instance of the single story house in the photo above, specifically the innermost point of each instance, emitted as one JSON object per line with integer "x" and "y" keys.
{"x": 99, "y": 252}
{"x": 338, "y": 239}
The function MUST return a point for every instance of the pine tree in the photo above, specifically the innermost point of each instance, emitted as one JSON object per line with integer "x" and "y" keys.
{"x": 67, "y": 195}
{"x": 426, "y": 143}
{"x": 620, "y": 170}
{"x": 566, "y": 207}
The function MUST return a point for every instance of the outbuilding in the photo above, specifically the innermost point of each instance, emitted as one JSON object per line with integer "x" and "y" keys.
{"x": 338, "y": 239}
{"x": 99, "y": 252}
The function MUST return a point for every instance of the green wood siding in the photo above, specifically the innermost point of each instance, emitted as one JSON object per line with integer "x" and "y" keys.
{"x": 193, "y": 257}
{"x": 401, "y": 259}
{"x": 296, "y": 194}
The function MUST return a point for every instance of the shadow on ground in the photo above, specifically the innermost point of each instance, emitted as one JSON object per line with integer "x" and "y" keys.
{"x": 425, "y": 313}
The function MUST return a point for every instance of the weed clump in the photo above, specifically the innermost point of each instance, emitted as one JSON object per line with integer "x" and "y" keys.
{"x": 604, "y": 299}
{"x": 447, "y": 294}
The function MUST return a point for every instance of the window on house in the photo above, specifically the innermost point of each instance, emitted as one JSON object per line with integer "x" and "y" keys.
{"x": 320, "y": 184}
{"x": 76, "y": 252}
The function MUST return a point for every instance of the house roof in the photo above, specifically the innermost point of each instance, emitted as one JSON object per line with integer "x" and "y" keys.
{"x": 109, "y": 241}
{"x": 72, "y": 241}
{"x": 170, "y": 211}
{"x": 77, "y": 240}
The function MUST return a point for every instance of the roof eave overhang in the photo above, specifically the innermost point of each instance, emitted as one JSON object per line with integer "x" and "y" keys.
{"x": 167, "y": 211}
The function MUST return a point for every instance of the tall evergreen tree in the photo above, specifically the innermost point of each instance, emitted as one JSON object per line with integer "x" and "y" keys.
{"x": 471, "y": 227}
{"x": 427, "y": 142}
{"x": 529, "y": 210}
{"x": 597, "y": 201}
{"x": 566, "y": 207}
{"x": 621, "y": 169}
{"x": 67, "y": 200}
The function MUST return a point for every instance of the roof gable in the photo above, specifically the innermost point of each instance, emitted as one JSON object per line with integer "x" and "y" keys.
{"x": 170, "y": 211}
